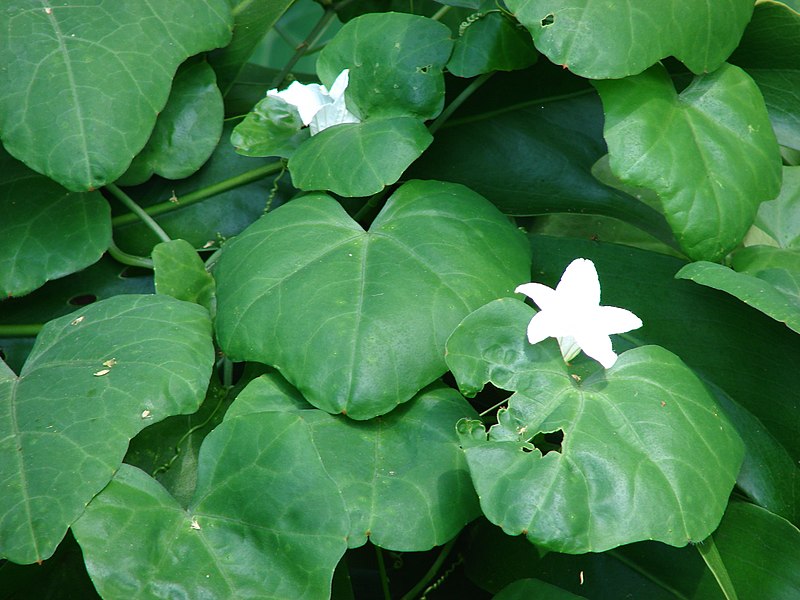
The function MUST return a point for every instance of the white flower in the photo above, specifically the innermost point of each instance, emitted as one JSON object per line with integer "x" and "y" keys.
{"x": 319, "y": 108}
{"x": 572, "y": 314}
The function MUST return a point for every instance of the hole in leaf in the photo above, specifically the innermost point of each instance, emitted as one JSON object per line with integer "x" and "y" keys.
{"x": 548, "y": 20}
{"x": 424, "y": 69}
{"x": 82, "y": 299}
{"x": 548, "y": 442}
{"x": 490, "y": 398}
{"x": 130, "y": 272}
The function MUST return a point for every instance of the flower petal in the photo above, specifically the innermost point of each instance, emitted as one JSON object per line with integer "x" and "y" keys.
{"x": 617, "y": 320}
{"x": 579, "y": 284}
{"x": 542, "y": 326}
{"x": 340, "y": 85}
{"x": 543, "y": 296}
{"x": 330, "y": 115}
{"x": 308, "y": 99}
{"x": 598, "y": 347}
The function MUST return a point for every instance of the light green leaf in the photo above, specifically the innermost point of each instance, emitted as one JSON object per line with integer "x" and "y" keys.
{"x": 93, "y": 380}
{"x": 780, "y": 218}
{"x": 187, "y": 130}
{"x": 272, "y": 128}
{"x": 357, "y": 320}
{"x": 525, "y": 589}
{"x": 250, "y": 532}
{"x": 646, "y": 452}
{"x": 101, "y": 73}
{"x": 775, "y": 291}
{"x": 359, "y": 159}
{"x": 180, "y": 273}
{"x": 491, "y": 41}
{"x": 252, "y": 19}
{"x": 48, "y": 232}
{"x": 403, "y": 477}
{"x": 708, "y": 152}
{"x": 617, "y": 39}
{"x": 770, "y": 53}
{"x": 395, "y": 63}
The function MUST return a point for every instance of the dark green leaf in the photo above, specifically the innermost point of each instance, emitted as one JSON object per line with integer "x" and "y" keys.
{"x": 646, "y": 452}
{"x": 101, "y": 72}
{"x": 187, "y": 130}
{"x": 48, "y": 232}
{"x": 250, "y": 532}
{"x": 272, "y": 128}
{"x": 94, "y": 379}
{"x": 403, "y": 476}
{"x": 612, "y": 40}
{"x": 359, "y": 159}
{"x": 491, "y": 41}
{"x": 525, "y": 589}
{"x": 780, "y": 218}
{"x": 711, "y": 166}
{"x": 395, "y": 63}
{"x": 357, "y": 320}
{"x": 180, "y": 273}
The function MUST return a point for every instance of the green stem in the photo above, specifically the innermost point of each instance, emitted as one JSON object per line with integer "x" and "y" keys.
{"x": 437, "y": 564}
{"x": 139, "y": 212}
{"x": 300, "y": 50}
{"x": 20, "y": 330}
{"x": 198, "y": 195}
{"x": 128, "y": 259}
{"x": 382, "y": 571}
{"x": 440, "y": 13}
{"x": 368, "y": 206}
{"x": 708, "y": 550}
{"x": 458, "y": 101}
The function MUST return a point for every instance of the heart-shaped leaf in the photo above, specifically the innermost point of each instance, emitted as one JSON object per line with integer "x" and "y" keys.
{"x": 180, "y": 273}
{"x": 711, "y": 166}
{"x": 93, "y": 380}
{"x": 645, "y": 452}
{"x": 187, "y": 130}
{"x": 359, "y": 159}
{"x": 102, "y": 71}
{"x": 618, "y": 39}
{"x": 357, "y": 320}
{"x": 272, "y": 128}
{"x": 250, "y": 532}
{"x": 48, "y": 232}
{"x": 395, "y": 63}
{"x": 403, "y": 476}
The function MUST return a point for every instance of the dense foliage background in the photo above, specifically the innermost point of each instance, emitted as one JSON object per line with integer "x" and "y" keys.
{"x": 243, "y": 361}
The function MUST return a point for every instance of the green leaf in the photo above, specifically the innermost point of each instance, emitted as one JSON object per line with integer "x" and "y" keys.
{"x": 250, "y": 532}
{"x": 780, "y": 302}
{"x": 624, "y": 38}
{"x": 359, "y": 159}
{"x": 646, "y": 452}
{"x": 357, "y": 320}
{"x": 272, "y": 128}
{"x": 403, "y": 477}
{"x": 252, "y": 19}
{"x": 187, "y": 130}
{"x": 490, "y": 41}
{"x": 780, "y": 218}
{"x": 711, "y": 167}
{"x": 769, "y": 52}
{"x": 93, "y": 380}
{"x": 395, "y": 63}
{"x": 101, "y": 72}
{"x": 524, "y": 589}
{"x": 180, "y": 273}
{"x": 48, "y": 232}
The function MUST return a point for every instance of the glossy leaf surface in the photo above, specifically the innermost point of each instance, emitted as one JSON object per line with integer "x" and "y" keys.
{"x": 102, "y": 71}
{"x": 712, "y": 163}
{"x": 403, "y": 476}
{"x": 357, "y": 320}
{"x": 780, "y": 218}
{"x": 93, "y": 380}
{"x": 646, "y": 452}
{"x": 618, "y": 39}
{"x": 180, "y": 273}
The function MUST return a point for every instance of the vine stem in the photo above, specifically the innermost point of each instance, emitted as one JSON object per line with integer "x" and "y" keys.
{"x": 441, "y": 12}
{"x": 20, "y": 330}
{"x": 212, "y": 190}
{"x": 128, "y": 259}
{"x": 382, "y": 570}
{"x": 138, "y": 211}
{"x": 300, "y": 50}
{"x": 437, "y": 564}
{"x": 369, "y": 205}
{"x": 459, "y": 100}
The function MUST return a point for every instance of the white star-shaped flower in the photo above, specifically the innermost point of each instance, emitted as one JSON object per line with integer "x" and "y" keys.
{"x": 572, "y": 314}
{"x": 318, "y": 107}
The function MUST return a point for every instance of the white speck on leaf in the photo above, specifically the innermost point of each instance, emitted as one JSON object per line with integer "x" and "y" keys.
{"x": 78, "y": 320}
{"x": 101, "y": 372}
{"x": 195, "y": 525}
{"x": 48, "y": 10}
{"x": 572, "y": 314}
{"x": 146, "y": 414}
{"x": 110, "y": 362}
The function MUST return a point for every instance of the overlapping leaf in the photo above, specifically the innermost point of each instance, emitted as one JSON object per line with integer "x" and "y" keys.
{"x": 357, "y": 320}
{"x": 780, "y": 218}
{"x": 611, "y": 40}
{"x": 92, "y": 381}
{"x": 646, "y": 452}
{"x": 100, "y": 73}
{"x": 48, "y": 232}
{"x": 708, "y": 152}
{"x": 266, "y": 521}
{"x": 180, "y": 273}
